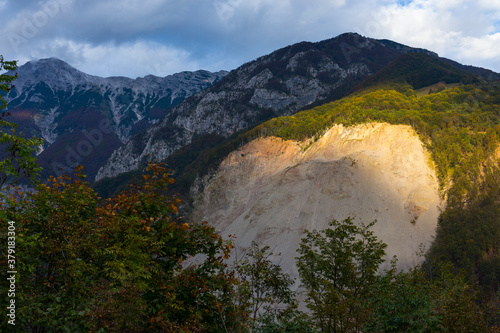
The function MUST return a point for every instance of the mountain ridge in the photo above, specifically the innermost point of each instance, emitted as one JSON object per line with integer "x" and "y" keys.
{"x": 280, "y": 83}
{"x": 58, "y": 75}
{"x": 55, "y": 101}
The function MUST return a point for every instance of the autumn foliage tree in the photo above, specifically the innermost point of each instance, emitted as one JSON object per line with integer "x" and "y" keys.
{"x": 116, "y": 265}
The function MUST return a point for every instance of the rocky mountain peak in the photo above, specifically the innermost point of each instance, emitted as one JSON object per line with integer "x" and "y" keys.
{"x": 53, "y": 72}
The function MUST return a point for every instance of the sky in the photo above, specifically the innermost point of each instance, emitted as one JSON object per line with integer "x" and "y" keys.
{"x": 135, "y": 38}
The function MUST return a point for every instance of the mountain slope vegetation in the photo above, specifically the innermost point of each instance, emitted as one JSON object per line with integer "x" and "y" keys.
{"x": 283, "y": 82}
{"x": 460, "y": 128}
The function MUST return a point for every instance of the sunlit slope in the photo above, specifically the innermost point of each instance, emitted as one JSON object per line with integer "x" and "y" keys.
{"x": 271, "y": 190}
{"x": 458, "y": 128}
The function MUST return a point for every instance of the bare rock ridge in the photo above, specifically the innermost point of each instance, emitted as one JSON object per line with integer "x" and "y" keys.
{"x": 277, "y": 84}
{"x": 57, "y": 102}
{"x": 271, "y": 190}
{"x": 48, "y": 84}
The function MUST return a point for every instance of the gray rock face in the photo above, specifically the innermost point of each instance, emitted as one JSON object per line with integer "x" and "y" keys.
{"x": 62, "y": 105}
{"x": 54, "y": 88}
{"x": 278, "y": 84}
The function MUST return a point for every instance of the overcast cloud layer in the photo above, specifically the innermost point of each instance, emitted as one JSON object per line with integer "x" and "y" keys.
{"x": 161, "y": 37}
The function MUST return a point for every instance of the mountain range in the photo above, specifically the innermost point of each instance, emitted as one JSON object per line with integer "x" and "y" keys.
{"x": 83, "y": 118}
{"x": 114, "y": 125}
{"x": 349, "y": 126}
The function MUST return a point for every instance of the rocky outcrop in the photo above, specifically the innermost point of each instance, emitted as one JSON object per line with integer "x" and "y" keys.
{"x": 270, "y": 190}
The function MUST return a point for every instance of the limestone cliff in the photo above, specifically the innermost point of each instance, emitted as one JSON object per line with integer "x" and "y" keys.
{"x": 272, "y": 190}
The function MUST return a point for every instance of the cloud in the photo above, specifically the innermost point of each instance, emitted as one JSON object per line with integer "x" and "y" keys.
{"x": 32, "y": 23}
{"x": 172, "y": 35}
{"x": 135, "y": 59}
{"x": 480, "y": 50}
{"x": 489, "y": 4}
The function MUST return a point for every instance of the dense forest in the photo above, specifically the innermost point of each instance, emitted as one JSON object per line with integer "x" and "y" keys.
{"x": 131, "y": 262}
